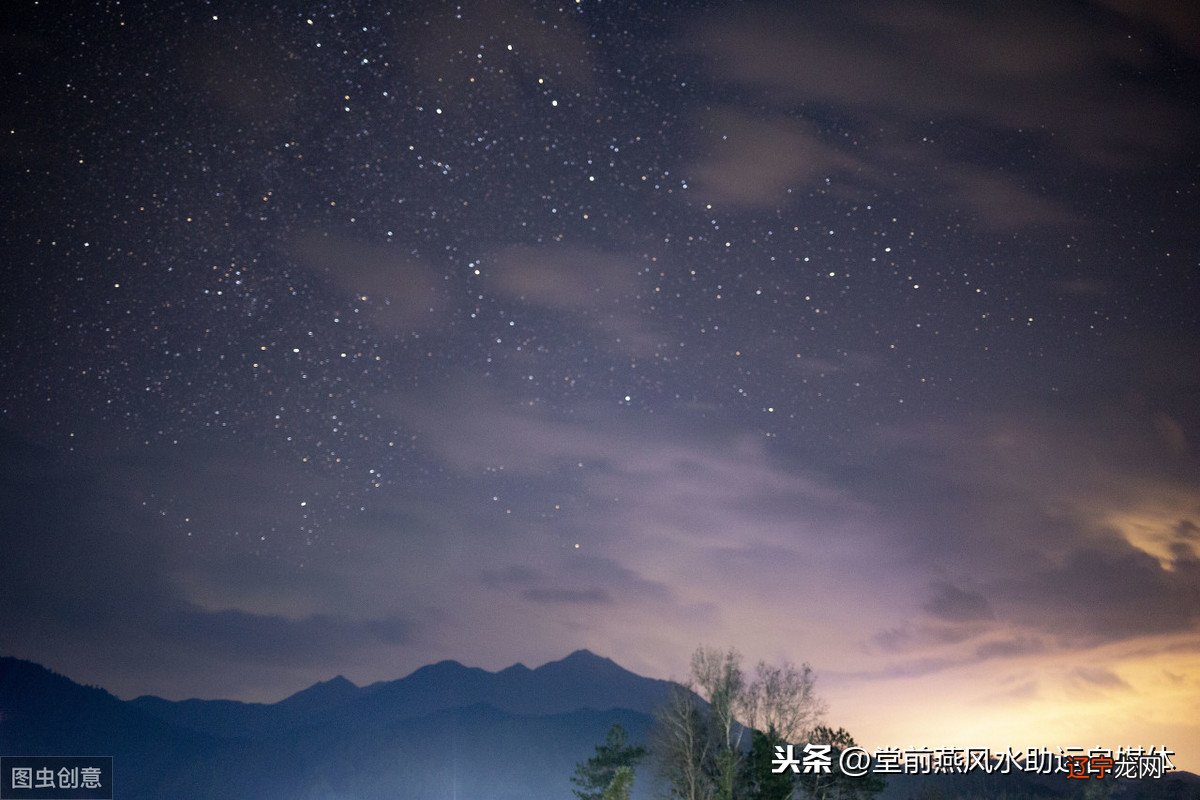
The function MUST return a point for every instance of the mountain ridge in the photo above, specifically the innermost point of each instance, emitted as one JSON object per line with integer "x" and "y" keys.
{"x": 353, "y": 741}
{"x": 443, "y": 730}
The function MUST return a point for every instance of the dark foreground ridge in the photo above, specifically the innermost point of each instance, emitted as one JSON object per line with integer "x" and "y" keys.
{"x": 444, "y": 731}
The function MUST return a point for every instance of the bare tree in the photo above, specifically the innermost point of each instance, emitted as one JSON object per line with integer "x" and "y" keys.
{"x": 682, "y": 745}
{"x": 782, "y": 701}
{"x": 698, "y": 742}
{"x": 719, "y": 677}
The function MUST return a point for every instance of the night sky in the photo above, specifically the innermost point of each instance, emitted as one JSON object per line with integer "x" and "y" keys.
{"x": 349, "y": 337}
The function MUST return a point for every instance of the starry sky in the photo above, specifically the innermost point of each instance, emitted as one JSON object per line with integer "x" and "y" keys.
{"x": 349, "y": 337}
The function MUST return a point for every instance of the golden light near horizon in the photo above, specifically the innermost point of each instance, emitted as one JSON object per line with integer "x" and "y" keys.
{"x": 1140, "y": 693}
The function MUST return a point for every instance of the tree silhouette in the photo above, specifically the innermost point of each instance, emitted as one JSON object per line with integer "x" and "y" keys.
{"x": 614, "y": 759}
{"x": 620, "y": 786}
{"x": 760, "y": 781}
{"x": 837, "y": 785}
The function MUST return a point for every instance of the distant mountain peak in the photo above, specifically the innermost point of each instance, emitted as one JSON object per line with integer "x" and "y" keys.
{"x": 517, "y": 668}
{"x": 445, "y": 665}
{"x": 336, "y": 683}
{"x": 334, "y": 690}
{"x": 583, "y": 659}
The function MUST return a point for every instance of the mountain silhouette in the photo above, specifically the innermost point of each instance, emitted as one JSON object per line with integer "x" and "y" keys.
{"x": 582, "y": 680}
{"x": 444, "y": 731}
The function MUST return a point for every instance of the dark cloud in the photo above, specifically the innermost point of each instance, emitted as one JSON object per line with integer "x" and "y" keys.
{"x": 1003, "y": 203}
{"x": 97, "y": 575}
{"x": 233, "y": 635}
{"x": 1172, "y": 433}
{"x": 569, "y": 279}
{"x": 751, "y": 161}
{"x": 953, "y": 604}
{"x": 1021, "y": 692}
{"x": 593, "y": 596}
{"x": 995, "y": 65}
{"x": 1095, "y": 594}
{"x": 923, "y": 636}
{"x": 513, "y": 575}
{"x": 1099, "y": 678}
{"x": 1013, "y": 647}
{"x": 954, "y": 646}
{"x": 594, "y": 292}
{"x": 580, "y": 580}
{"x": 400, "y": 293}
{"x": 891, "y": 72}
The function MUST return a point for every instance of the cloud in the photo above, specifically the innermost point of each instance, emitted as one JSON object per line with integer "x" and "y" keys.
{"x": 1012, "y": 647}
{"x": 1072, "y": 526}
{"x": 995, "y": 65}
{"x": 564, "y": 278}
{"x": 105, "y": 579}
{"x": 749, "y": 160}
{"x": 399, "y": 292}
{"x": 1172, "y": 433}
{"x": 1009, "y": 524}
{"x": 1099, "y": 678}
{"x": 598, "y": 294}
{"x": 924, "y": 636}
{"x": 1096, "y": 594}
{"x": 1020, "y": 693}
{"x": 272, "y": 639}
{"x": 699, "y": 485}
{"x": 580, "y": 580}
{"x": 953, "y": 604}
{"x": 592, "y": 596}
{"x": 1002, "y": 202}
{"x": 897, "y": 81}
{"x": 595, "y": 292}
